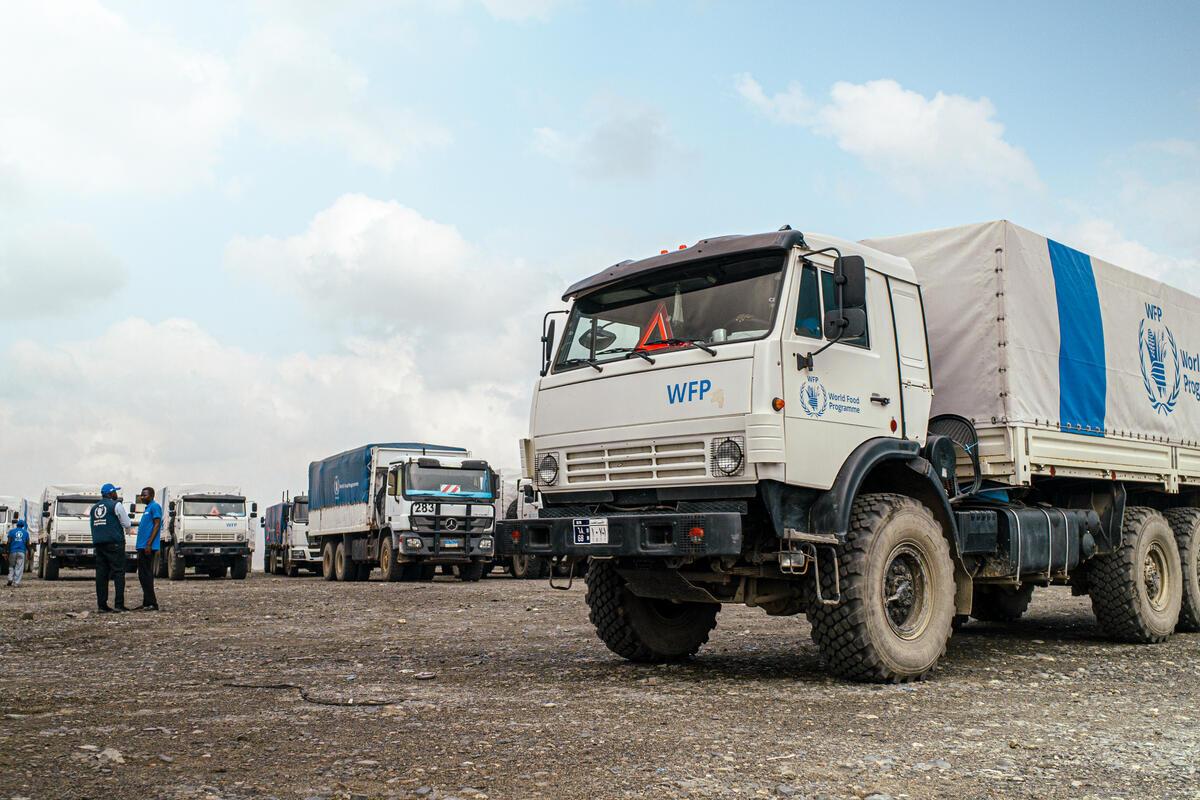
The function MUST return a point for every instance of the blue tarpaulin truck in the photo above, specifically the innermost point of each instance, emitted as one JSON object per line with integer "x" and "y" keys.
{"x": 287, "y": 548}
{"x": 404, "y": 507}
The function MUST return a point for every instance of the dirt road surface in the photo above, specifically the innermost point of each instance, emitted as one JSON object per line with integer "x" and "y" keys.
{"x": 500, "y": 689}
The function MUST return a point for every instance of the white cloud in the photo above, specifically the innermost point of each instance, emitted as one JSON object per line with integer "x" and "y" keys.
{"x": 91, "y": 102}
{"x": 380, "y": 267}
{"x": 1104, "y": 240}
{"x": 158, "y": 403}
{"x": 297, "y": 89}
{"x": 627, "y": 142}
{"x": 56, "y": 270}
{"x": 916, "y": 143}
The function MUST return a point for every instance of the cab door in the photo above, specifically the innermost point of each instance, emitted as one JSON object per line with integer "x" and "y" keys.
{"x": 852, "y": 391}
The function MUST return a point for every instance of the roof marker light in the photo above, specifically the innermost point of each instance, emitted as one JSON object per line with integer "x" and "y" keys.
{"x": 663, "y": 252}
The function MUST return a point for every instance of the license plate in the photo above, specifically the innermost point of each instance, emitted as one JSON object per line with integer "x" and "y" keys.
{"x": 451, "y": 542}
{"x": 424, "y": 508}
{"x": 87, "y": 551}
{"x": 214, "y": 550}
{"x": 591, "y": 531}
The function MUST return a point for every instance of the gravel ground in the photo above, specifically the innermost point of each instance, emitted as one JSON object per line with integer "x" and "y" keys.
{"x": 500, "y": 689}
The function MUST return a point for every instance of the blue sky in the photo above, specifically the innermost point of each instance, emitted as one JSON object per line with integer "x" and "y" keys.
{"x": 236, "y": 237}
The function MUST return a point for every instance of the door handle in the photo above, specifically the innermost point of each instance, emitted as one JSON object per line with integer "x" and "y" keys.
{"x": 878, "y": 398}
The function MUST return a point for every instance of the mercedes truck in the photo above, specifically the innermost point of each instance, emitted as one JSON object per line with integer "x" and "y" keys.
{"x": 285, "y": 539}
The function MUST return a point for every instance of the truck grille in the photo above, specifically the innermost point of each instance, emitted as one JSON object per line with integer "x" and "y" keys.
{"x": 214, "y": 536}
{"x": 78, "y": 537}
{"x": 648, "y": 461}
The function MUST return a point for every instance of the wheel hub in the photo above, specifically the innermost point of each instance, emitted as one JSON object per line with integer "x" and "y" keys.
{"x": 1154, "y": 568}
{"x": 905, "y": 591}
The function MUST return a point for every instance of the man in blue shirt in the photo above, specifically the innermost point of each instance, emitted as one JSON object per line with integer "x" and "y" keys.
{"x": 110, "y": 522}
{"x": 18, "y": 545}
{"x": 147, "y": 547}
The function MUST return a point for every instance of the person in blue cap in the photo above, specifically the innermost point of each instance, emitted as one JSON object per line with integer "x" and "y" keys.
{"x": 18, "y": 545}
{"x": 110, "y": 523}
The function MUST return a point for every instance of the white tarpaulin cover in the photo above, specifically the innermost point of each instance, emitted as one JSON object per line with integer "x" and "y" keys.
{"x": 1025, "y": 330}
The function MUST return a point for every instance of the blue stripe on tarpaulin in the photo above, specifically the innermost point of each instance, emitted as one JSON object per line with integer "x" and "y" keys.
{"x": 1082, "y": 378}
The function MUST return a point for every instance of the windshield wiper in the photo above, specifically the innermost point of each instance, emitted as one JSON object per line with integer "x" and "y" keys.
{"x": 591, "y": 362}
{"x": 694, "y": 342}
{"x": 628, "y": 351}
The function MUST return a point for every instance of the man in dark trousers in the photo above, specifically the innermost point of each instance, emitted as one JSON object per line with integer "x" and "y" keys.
{"x": 147, "y": 547}
{"x": 110, "y": 523}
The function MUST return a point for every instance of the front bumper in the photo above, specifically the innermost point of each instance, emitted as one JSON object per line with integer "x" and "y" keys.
{"x": 71, "y": 550}
{"x": 444, "y": 548}
{"x": 662, "y": 535}
{"x": 211, "y": 549}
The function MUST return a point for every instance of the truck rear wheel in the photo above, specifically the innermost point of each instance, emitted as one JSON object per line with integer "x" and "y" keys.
{"x": 1000, "y": 603}
{"x": 269, "y": 562}
{"x": 533, "y": 567}
{"x": 391, "y": 569}
{"x": 897, "y": 594}
{"x": 1185, "y": 523}
{"x": 643, "y": 629}
{"x": 175, "y": 564}
{"x": 328, "y": 558}
{"x": 160, "y": 562}
{"x": 343, "y": 566}
{"x": 1137, "y": 591}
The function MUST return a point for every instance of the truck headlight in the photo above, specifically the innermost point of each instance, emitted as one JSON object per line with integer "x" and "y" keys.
{"x": 547, "y": 469}
{"x": 413, "y": 543}
{"x": 241, "y": 537}
{"x": 485, "y": 543}
{"x": 728, "y": 456}
{"x": 189, "y": 537}
{"x": 62, "y": 537}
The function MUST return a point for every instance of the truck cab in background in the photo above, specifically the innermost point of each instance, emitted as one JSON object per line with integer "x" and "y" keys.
{"x": 11, "y": 510}
{"x": 205, "y": 527}
{"x": 65, "y": 537}
{"x": 517, "y": 500}
{"x": 288, "y": 548}
{"x": 407, "y": 508}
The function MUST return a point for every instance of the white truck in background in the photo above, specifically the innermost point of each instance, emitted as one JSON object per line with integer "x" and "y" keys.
{"x": 65, "y": 535}
{"x": 287, "y": 548}
{"x": 753, "y": 420}
{"x": 205, "y": 527}
{"x": 407, "y": 508}
{"x": 12, "y": 509}
{"x": 517, "y": 499}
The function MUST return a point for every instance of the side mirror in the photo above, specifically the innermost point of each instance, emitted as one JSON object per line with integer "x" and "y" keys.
{"x": 850, "y": 278}
{"x": 547, "y": 347}
{"x": 848, "y": 323}
{"x": 254, "y": 508}
{"x": 529, "y": 492}
{"x": 133, "y": 508}
{"x": 45, "y": 508}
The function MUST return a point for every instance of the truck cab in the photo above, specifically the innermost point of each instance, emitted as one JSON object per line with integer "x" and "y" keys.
{"x": 288, "y": 548}
{"x": 207, "y": 528}
{"x": 65, "y": 539}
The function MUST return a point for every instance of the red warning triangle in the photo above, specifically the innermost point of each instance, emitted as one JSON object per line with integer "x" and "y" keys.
{"x": 659, "y": 324}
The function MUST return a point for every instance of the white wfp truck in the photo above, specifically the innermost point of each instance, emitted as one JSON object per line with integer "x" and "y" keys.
{"x": 206, "y": 527}
{"x": 12, "y": 509}
{"x": 65, "y": 535}
{"x": 748, "y": 420}
{"x": 407, "y": 508}
{"x": 517, "y": 500}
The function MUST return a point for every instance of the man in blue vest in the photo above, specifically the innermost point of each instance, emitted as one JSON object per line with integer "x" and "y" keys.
{"x": 110, "y": 523}
{"x": 18, "y": 545}
{"x": 147, "y": 547}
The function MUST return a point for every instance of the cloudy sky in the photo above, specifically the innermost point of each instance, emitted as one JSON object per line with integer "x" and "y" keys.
{"x": 235, "y": 237}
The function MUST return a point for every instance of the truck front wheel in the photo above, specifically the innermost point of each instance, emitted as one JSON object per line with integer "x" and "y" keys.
{"x": 469, "y": 573}
{"x": 533, "y": 567}
{"x": 239, "y": 568}
{"x": 391, "y": 569}
{"x": 1185, "y": 522}
{"x": 897, "y": 594}
{"x": 160, "y": 562}
{"x": 175, "y": 564}
{"x": 1137, "y": 591}
{"x": 643, "y": 629}
{"x": 51, "y": 567}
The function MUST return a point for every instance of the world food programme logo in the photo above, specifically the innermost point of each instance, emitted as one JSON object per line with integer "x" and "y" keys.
{"x": 1159, "y": 361}
{"x": 813, "y": 398}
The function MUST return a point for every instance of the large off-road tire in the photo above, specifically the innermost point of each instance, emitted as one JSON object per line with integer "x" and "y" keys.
{"x": 290, "y": 568}
{"x": 469, "y": 573}
{"x": 343, "y": 566}
{"x": 643, "y": 629}
{"x": 897, "y": 594}
{"x": 51, "y": 572}
{"x": 1138, "y": 590}
{"x": 532, "y": 567}
{"x": 1000, "y": 603}
{"x": 240, "y": 568}
{"x": 176, "y": 565}
{"x": 41, "y": 562}
{"x": 269, "y": 562}
{"x": 1185, "y": 522}
{"x": 160, "y": 562}
{"x": 391, "y": 569}
{"x": 328, "y": 559}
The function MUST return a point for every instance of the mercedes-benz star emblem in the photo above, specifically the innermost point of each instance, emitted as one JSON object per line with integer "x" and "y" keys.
{"x": 450, "y": 524}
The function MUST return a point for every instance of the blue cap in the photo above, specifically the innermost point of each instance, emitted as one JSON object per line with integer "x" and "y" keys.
{"x": 20, "y": 523}
{"x": 108, "y": 487}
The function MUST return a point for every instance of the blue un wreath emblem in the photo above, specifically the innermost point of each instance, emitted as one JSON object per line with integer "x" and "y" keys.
{"x": 1159, "y": 360}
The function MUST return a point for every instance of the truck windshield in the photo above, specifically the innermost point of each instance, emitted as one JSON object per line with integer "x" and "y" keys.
{"x": 711, "y": 303}
{"x": 214, "y": 508}
{"x": 300, "y": 512}
{"x": 75, "y": 508}
{"x": 447, "y": 481}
